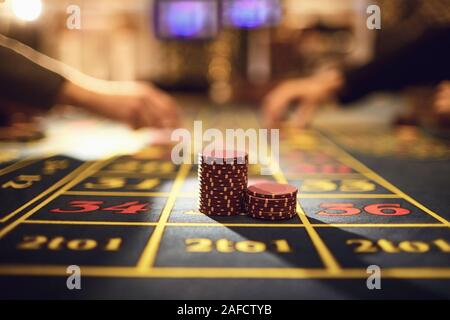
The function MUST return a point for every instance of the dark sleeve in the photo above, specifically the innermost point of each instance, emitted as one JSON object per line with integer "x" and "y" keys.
{"x": 26, "y": 82}
{"x": 424, "y": 62}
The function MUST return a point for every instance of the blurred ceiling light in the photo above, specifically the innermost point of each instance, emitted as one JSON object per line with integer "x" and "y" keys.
{"x": 27, "y": 10}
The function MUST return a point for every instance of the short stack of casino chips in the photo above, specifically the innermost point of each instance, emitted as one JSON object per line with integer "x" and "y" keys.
{"x": 271, "y": 201}
{"x": 222, "y": 182}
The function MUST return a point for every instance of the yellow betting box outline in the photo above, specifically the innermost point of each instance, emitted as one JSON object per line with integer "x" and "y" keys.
{"x": 25, "y": 163}
{"x": 145, "y": 267}
{"x": 18, "y": 165}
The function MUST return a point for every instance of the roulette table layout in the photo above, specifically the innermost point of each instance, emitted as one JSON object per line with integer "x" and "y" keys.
{"x": 130, "y": 222}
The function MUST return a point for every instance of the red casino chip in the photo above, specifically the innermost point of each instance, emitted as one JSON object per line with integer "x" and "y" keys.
{"x": 272, "y": 217}
{"x": 202, "y": 171}
{"x": 269, "y": 203}
{"x": 257, "y": 209}
{"x": 272, "y": 190}
{"x": 223, "y": 157}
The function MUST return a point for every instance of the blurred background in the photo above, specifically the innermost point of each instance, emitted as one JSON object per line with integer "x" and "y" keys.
{"x": 118, "y": 41}
{"x": 223, "y": 50}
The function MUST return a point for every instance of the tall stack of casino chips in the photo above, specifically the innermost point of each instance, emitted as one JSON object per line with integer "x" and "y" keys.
{"x": 222, "y": 182}
{"x": 271, "y": 201}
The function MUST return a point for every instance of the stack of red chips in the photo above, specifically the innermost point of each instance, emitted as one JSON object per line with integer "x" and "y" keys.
{"x": 223, "y": 177}
{"x": 223, "y": 180}
{"x": 271, "y": 201}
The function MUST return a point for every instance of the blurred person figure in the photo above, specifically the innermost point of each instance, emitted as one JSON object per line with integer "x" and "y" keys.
{"x": 31, "y": 81}
{"x": 414, "y": 51}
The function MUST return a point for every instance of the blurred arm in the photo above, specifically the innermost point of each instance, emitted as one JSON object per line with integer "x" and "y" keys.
{"x": 23, "y": 81}
{"x": 422, "y": 62}
{"x": 33, "y": 79}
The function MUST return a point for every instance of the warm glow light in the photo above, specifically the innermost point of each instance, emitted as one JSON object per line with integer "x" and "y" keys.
{"x": 28, "y": 10}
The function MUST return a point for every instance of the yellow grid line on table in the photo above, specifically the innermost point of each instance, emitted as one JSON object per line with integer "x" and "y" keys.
{"x": 245, "y": 225}
{"x": 331, "y": 264}
{"x": 148, "y": 256}
{"x": 330, "y": 176}
{"x": 126, "y": 174}
{"x": 19, "y": 165}
{"x": 81, "y": 173}
{"x": 347, "y": 195}
{"x": 319, "y": 195}
{"x": 348, "y": 159}
{"x": 238, "y": 273}
{"x": 325, "y": 254}
{"x": 296, "y": 273}
{"x": 100, "y": 223}
{"x": 49, "y": 190}
{"x": 117, "y": 193}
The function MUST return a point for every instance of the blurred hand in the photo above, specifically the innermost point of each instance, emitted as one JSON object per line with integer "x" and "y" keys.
{"x": 136, "y": 104}
{"x": 309, "y": 94}
{"x": 442, "y": 98}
